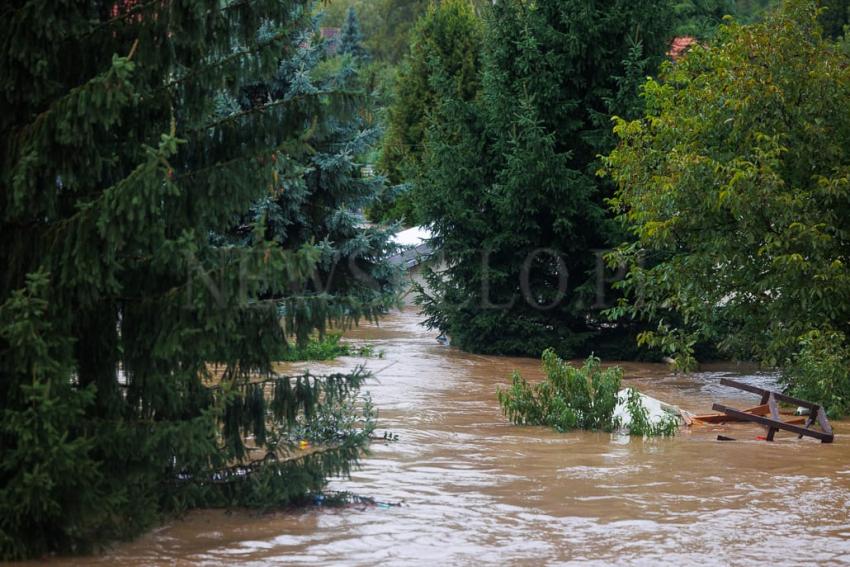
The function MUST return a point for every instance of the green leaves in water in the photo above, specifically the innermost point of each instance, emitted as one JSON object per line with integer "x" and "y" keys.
{"x": 641, "y": 425}
{"x": 328, "y": 347}
{"x": 577, "y": 398}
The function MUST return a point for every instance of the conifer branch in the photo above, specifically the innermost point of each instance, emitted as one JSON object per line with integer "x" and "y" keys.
{"x": 136, "y": 9}
{"x": 224, "y": 164}
{"x": 254, "y": 110}
{"x": 222, "y": 61}
{"x": 237, "y": 472}
{"x": 359, "y": 372}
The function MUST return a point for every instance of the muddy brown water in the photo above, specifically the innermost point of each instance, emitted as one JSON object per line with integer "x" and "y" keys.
{"x": 477, "y": 490}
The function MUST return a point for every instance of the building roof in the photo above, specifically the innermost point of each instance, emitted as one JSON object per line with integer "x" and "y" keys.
{"x": 680, "y": 46}
{"x": 415, "y": 247}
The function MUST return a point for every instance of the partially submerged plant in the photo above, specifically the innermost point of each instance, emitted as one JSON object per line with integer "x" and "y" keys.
{"x": 569, "y": 398}
{"x": 578, "y": 398}
{"x": 819, "y": 371}
{"x": 641, "y": 425}
{"x": 328, "y": 347}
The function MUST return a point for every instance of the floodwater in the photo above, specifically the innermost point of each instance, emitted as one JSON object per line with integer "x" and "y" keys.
{"x": 476, "y": 490}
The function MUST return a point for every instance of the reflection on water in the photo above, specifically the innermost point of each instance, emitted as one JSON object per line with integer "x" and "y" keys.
{"x": 479, "y": 490}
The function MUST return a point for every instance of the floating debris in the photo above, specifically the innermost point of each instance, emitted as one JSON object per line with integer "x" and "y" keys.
{"x": 769, "y": 407}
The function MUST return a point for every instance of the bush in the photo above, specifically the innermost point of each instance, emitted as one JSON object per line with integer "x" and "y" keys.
{"x": 569, "y": 398}
{"x": 326, "y": 347}
{"x": 577, "y": 398}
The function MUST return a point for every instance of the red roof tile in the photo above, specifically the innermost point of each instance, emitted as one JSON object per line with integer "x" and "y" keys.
{"x": 679, "y": 46}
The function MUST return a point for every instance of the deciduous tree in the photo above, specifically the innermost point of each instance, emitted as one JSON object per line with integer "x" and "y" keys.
{"x": 736, "y": 186}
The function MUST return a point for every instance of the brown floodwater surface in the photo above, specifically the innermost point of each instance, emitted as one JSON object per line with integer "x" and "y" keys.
{"x": 478, "y": 490}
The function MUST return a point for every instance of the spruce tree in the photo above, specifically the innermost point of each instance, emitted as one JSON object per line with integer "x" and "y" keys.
{"x": 510, "y": 184}
{"x": 385, "y": 24}
{"x": 321, "y": 192}
{"x": 141, "y": 308}
{"x": 444, "y": 60}
{"x": 351, "y": 40}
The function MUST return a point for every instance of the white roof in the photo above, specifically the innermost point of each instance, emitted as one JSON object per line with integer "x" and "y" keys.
{"x": 412, "y": 236}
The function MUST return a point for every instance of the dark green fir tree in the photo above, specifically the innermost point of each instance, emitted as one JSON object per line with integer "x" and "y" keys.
{"x": 444, "y": 60}
{"x": 148, "y": 284}
{"x": 510, "y": 186}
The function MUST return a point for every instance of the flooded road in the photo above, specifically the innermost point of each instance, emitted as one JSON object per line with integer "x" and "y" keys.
{"x": 477, "y": 490}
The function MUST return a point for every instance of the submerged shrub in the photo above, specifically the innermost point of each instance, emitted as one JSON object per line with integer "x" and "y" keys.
{"x": 577, "y": 398}
{"x": 569, "y": 397}
{"x": 326, "y": 347}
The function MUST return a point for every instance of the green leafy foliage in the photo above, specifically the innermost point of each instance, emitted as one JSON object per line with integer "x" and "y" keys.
{"x": 326, "y": 347}
{"x": 640, "y": 424}
{"x": 736, "y": 187}
{"x": 583, "y": 397}
{"x": 569, "y": 397}
{"x": 820, "y": 370}
{"x": 834, "y": 17}
{"x": 701, "y": 18}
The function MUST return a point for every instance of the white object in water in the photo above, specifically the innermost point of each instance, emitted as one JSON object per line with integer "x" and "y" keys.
{"x": 657, "y": 411}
